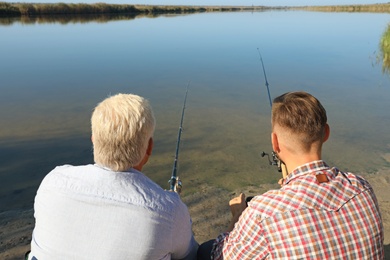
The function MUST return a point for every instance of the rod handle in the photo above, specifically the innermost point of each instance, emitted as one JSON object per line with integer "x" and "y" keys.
{"x": 284, "y": 170}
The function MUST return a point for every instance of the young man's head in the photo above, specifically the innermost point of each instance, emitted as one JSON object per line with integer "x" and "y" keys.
{"x": 300, "y": 121}
{"x": 122, "y": 127}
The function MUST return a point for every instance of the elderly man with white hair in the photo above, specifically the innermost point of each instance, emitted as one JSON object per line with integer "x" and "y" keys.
{"x": 110, "y": 209}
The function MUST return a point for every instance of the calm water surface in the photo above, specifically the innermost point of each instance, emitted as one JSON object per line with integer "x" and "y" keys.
{"x": 52, "y": 75}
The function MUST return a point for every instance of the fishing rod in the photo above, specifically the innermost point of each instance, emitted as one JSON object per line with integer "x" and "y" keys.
{"x": 265, "y": 77}
{"x": 275, "y": 159}
{"x": 175, "y": 182}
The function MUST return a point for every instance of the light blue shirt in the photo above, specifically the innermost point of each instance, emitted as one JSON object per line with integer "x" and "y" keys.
{"x": 91, "y": 212}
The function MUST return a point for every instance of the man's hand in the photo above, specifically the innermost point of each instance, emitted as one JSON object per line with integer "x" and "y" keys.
{"x": 281, "y": 182}
{"x": 237, "y": 206}
{"x": 178, "y": 185}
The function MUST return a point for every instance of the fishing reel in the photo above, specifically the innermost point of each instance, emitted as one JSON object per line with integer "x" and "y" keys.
{"x": 275, "y": 160}
{"x": 176, "y": 184}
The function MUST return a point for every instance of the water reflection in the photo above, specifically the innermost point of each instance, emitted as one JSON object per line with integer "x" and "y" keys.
{"x": 73, "y": 19}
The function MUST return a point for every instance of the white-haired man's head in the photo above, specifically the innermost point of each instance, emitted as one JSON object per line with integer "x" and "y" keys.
{"x": 122, "y": 126}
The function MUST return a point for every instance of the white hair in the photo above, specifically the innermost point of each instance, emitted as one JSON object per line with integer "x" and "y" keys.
{"x": 121, "y": 128}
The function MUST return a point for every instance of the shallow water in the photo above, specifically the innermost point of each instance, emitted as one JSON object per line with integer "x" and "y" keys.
{"x": 52, "y": 75}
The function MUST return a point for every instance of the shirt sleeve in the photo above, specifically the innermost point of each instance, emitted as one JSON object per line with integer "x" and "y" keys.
{"x": 183, "y": 242}
{"x": 245, "y": 241}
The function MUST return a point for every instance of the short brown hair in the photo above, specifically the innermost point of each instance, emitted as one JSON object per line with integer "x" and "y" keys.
{"x": 301, "y": 114}
{"x": 121, "y": 128}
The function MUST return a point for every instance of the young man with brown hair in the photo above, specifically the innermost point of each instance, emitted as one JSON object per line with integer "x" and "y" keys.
{"x": 319, "y": 212}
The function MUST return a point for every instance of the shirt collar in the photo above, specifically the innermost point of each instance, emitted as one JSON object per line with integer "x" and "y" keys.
{"x": 306, "y": 169}
{"x": 111, "y": 170}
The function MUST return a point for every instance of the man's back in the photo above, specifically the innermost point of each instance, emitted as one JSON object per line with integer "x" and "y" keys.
{"x": 89, "y": 212}
{"x": 336, "y": 219}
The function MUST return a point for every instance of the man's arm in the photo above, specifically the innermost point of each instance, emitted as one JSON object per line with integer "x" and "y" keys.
{"x": 237, "y": 206}
{"x": 184, "y": 243}
{"x": 244, "y": 240}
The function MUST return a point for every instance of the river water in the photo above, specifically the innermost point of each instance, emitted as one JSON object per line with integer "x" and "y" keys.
{"x": 52, "y": 74}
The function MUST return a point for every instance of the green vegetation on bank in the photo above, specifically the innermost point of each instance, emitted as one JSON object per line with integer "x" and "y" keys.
{"x": 371, "y": 8}
{"x": 30, "y": 9}
{"x": 38, "y": 9}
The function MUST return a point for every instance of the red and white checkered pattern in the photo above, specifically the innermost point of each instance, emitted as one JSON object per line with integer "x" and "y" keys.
{"x": 306, "y": 219}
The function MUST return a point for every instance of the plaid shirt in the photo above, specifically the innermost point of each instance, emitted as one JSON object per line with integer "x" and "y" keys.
{"x": 306, "y": 219}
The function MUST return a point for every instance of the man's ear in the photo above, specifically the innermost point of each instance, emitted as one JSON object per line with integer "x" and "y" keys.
{"x": 150, "y": 146}
{"x": 327, "y": 133}
{"x": 146, "y": 156}
{"x": 275, "y": 142}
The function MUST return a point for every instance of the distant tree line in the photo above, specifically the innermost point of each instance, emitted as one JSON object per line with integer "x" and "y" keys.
{"x": 31, "y": 9}
{"x": 39, "y": 9}
{"x": 370, "y": 8}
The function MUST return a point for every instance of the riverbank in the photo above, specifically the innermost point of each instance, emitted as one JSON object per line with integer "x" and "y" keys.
{"x": 32, "y": 9}
{"x": 39, "y": 9}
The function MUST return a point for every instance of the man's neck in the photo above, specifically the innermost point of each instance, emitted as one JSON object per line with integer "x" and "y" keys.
{"x": 294, "y": 160}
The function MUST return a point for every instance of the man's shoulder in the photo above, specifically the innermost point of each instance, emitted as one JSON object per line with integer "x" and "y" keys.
{"x": 357, "y": 180}
{"x": 305, "y": 192}
{"x": 272, "y": 202}
{"x": 63, "y": 171}
{"x": 130, "y": 187}
{"x": 69, "y": 169}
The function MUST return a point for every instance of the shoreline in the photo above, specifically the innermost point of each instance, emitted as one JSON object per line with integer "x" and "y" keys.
{"x": 20, "y": 9}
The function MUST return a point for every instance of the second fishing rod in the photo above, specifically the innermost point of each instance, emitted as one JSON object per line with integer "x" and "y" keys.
{"x": 175, "y": 182}
{"x": 275, "y": 159}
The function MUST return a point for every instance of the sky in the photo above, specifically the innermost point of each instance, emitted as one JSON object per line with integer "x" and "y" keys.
{"x": 218, "y": 2}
